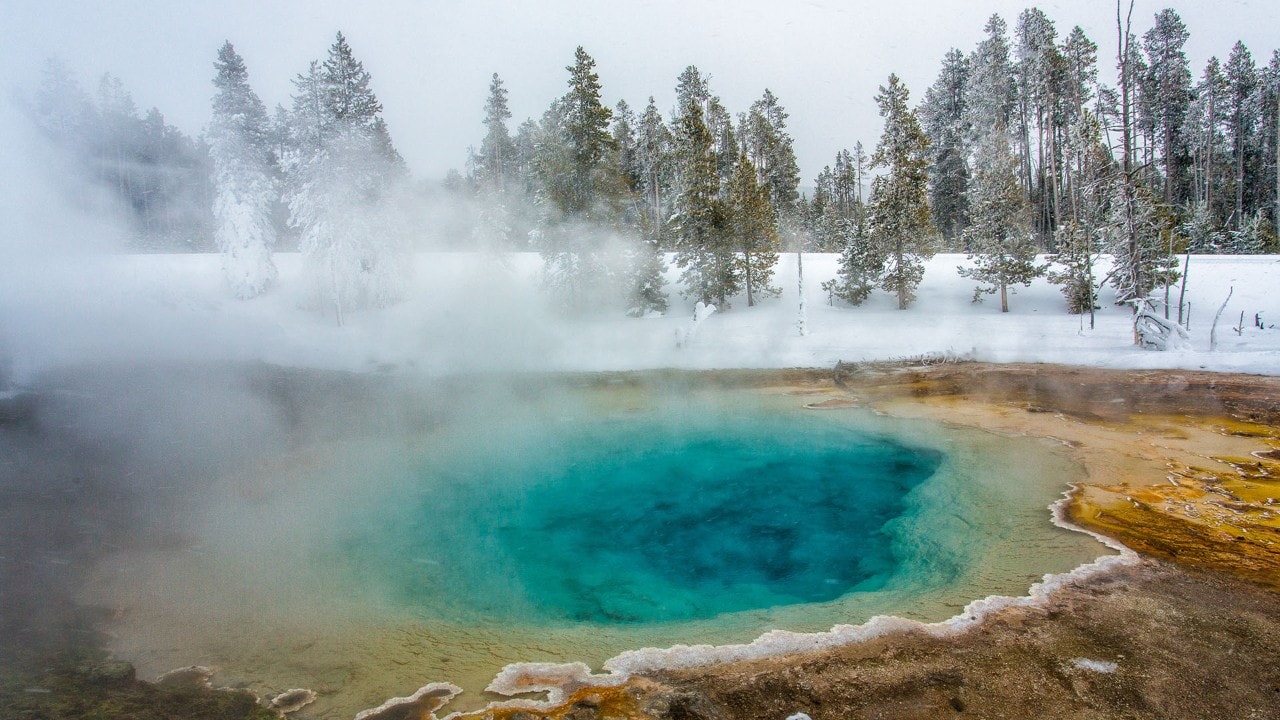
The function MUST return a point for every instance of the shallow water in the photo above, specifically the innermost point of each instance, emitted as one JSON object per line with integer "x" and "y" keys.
{"x": 572, "y": 523}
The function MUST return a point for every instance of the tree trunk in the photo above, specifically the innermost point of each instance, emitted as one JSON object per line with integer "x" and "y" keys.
{"x": 1004, "y": 298}
{"x": 801, "y": 321}
{"x": 1131, "y": 235}
{"x": 1239, "y": 213}
{"x": 1208, "y": 162}
{"x": 1182, "y": 293}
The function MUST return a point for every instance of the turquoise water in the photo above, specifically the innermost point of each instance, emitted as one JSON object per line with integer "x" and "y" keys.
{"x": 440, "y": 540}
{"x": 651, "y": 518}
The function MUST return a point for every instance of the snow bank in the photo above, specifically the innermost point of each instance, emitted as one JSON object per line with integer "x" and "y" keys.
{"x": 472, "y": 312}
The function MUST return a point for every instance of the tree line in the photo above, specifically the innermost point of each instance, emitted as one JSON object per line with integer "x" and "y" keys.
{"x": 321, "y": 175}
{"x": 1018, "y": 148}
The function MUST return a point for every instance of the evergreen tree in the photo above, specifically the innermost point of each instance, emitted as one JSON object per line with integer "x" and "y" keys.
{"x": 497, "y": 149}
{"x": 647, "y": 270}
{"x": 990, "y": 95}
{"x": 1000, "y": 230}
{"x": 340, "y": 173}
{"x": 586, "y": 130}
{"x": 899, "y": 212}
{"x": 1209, "y": 146}
{"x": 1203, "y": 233}
{"x": 1169, "y": 77}
{"x": 627, "y": 145}
{"x": 62, "y": 109}
{"x": 1038, "y": 84}
{"x": 1242, "y": 119}
{"x": 770, "y": 149}
{"x": 1079, "y": 239}
{"x": 655, "y": 165}
{"x": 861, "y": 262}
{"x": 1143, "y": 258}
{"x": 240, "y": 145}
{"x": 707, "y": 263}
{"x": 754, "y": 229}
{"x": 943, "y": 117}
{"x": 157, "y": 176}
{"x": 1270, "y": 145}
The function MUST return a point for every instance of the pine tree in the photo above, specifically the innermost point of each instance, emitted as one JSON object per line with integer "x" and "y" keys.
{"x": 1208, "y": 142}
{"x": 586, "y": 129}
{"x": 1079, "y": 239}
{"x": 1143, "y": 258}
{"x": 240, "y": 146}
{"x": 62, "y": 109}
{"x": 1270, "y": 130}
{"x": 1038, "y": 83}
{"x": 770, "y": 148}
{"x": 707, "y": 264}
{"x": 341, "y": 170}
{"x": 627, "y": 145}
{"x": 754, "y": 230}
{"x": 1000, "y": 230}
{"x": 497, "y": 149}
{"x": 989, "y": 98}
{"x": 899, "y": 213}
{"x": 1169, "y": 77}
{"x": 943, "y": 117}
{"x": 1242, "y": 119}
{"x": 655, "y": 165}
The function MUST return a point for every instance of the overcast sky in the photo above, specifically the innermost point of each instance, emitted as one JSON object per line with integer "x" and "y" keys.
{"x": 431, "y": 61}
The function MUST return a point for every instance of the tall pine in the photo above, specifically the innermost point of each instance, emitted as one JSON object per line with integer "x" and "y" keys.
{"x": 244, "y": 184}
{"x": 899, "y": 212}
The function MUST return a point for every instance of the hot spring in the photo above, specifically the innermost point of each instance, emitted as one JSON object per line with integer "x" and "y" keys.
{"x": 367, "y": 541}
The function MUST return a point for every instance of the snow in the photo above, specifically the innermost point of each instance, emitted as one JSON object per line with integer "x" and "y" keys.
{"x": 1098, "y": 666}
{"x": 468, "y": 312}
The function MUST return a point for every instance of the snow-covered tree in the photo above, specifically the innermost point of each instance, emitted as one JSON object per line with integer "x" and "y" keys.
{"x": 1203, "y": 233}
{"x": 944, "y": 120}
{"x": 1143, "y": 258}
{"x": 860, "y": 265}
{"x": 1242, "y": 120}
{"x": 1254, "y": 237}
{"x": 585, "y": 123}
{"x": 656, "y": 169}
{"x": 1080, "y": 238}
{"x": 1169, "y": 80}
{"x": 999, "y": 233}
{"x": 989, "y": 99}
{"x": 706, "y": 261}
{"x": 770, "y": 148}
{"x": 246, "y": 192}
{"x": 341, "y": 172}
{"x": 497, "y": 149}
{"x": 899, "y": 212}
{"x": 646, "y": 270}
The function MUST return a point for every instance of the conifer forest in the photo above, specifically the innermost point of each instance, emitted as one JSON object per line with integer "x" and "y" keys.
{"x": 1030, "y": 152}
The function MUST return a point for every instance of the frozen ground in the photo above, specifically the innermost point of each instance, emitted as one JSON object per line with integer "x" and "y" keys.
{"x": 470, "y": 312}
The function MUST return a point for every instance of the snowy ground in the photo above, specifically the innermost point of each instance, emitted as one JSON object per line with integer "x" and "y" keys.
{"x": 469, "y": 313}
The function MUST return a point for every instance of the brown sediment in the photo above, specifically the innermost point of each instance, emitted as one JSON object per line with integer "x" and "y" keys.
{"x": 1183, "y": 467}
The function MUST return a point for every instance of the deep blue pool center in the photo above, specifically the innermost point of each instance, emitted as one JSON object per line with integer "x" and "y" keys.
{"x": 647, "y": 518}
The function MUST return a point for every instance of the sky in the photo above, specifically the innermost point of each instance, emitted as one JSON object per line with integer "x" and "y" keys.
{"x": 431, "y": 61}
